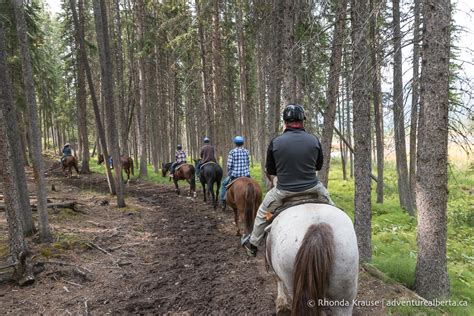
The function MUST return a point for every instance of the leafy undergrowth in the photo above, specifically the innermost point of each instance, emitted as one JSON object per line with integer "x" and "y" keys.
{"x": 394, "y": 231}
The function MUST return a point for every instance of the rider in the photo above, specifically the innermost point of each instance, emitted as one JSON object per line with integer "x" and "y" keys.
{"x": 207, "y": 154}
{"x": 238, "y": 165}
{"x": 294, "y": 157}
{"x": 180, "y": 157}
{"x": 66, "y": 152}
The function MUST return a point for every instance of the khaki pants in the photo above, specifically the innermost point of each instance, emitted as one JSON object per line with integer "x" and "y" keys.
{"x": 271, "y": 202}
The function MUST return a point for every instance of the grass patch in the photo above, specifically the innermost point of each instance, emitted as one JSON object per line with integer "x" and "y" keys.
{"x": 394, "y": 233}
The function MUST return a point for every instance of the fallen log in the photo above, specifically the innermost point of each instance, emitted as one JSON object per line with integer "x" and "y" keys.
{"x": 70, "y": 205}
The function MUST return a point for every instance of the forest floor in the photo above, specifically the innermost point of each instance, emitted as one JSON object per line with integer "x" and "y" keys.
{"x": 162, "y": 253}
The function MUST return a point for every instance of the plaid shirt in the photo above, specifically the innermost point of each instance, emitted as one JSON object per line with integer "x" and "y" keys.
{"x": 180, "y": 156}
{"x": 238, "y": 163}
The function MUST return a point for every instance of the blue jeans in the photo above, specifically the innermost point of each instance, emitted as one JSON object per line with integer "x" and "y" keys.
{"x": 226, "y": 181}
{"x": 198, "y": 169}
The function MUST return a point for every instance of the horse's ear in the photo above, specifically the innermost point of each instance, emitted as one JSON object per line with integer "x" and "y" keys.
{"x": 162, "y": 165}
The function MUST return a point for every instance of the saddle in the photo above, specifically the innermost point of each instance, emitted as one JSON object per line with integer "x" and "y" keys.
{"x": 206, "y": 163}
{"x": 297, "y": 199}
{"x": 179, "y": 166}
{"x": 231, "y": 183}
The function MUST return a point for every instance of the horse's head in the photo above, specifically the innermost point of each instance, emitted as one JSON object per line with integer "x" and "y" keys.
{"x": 165, "y": 167}
{"x": 100, "y": 159}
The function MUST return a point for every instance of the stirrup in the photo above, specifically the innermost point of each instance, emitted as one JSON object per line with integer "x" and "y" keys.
{"x": 244, "y": 239}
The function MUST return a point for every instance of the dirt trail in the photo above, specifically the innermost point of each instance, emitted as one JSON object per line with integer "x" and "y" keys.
{"x": 161, "y": 254}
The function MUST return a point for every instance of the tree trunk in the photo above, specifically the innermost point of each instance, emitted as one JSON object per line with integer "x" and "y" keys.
{"x": 217, "y": 77}
{"x": 274, "y": 68}
{"x": 101, "y": 25}
{"x": 81, "y": 100}
{"x": 431, "y": 276}
{"x": 142, "y": 134}
{"x": 78, "y": 26}
{"x": 288, "y": 41}
{"x": 333, "y": 89}
{"x": 205, "y": 76}
{"x": 348, "y": 115}
{"x": 361, "y": 102}
{"x": 35, "y": 136}
{"x": 377, "y": 96}
{"x": 9, "y": 177}
{"x": 398, "y": 115}
{"x": 244, "y": 106}
{"x": 119, "y": 60}
{"x": 414, "y": 98}
{"x": 14, "y": 140}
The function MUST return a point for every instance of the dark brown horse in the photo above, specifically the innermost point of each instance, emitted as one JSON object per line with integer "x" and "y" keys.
{"x": 68, "y": 162}
{"x": 244, "y": 197}
{"x": 127, "y": 164}
{"x": 184, "y": 171}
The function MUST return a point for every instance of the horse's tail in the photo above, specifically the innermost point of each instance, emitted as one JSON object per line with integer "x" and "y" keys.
{"x": 313, "y": 265}
{"x": 249, "y": 206}
{"x": 131, "y": 165}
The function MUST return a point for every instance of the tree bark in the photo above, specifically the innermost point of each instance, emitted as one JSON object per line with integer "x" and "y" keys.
{"x": 78, "y": 26}
{"x": 14, "y": 140}
{"x": 333, "y": 89}
{"x": 377, "y": 97}
{"x": 288, "y": 41}
{"x": 142, "y": 135}
{"x": 431, "y": 276}
{"x": 13, "y": 205}
{"x": 361, "y": 102}
{"x": 35, "y": 136}
{"x": 274, "y": 73}
{"x": 100, "y": 16}
{"x": 414, "y": 99}
{"x": 205, "y": 76}
{"x": 244, "y": 106}
{"x": 398, "y": 115}
{"x": 81, "y": 101}
{"x": 119, "y": 61}
{"x": 217, "y": 77}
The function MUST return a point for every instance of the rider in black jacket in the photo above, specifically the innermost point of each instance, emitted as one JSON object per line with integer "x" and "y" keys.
{"x": 294, "y": 157}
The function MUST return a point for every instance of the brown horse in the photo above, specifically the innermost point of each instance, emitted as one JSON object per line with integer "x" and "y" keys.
{"x": 127, "y": 164}
{"x": 244, "y": 197}
{"x": 184, "y": 171}
{"x": 68, "y": 162}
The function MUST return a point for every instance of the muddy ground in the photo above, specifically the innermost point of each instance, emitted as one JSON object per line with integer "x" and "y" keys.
{"x": 161, "y": 254}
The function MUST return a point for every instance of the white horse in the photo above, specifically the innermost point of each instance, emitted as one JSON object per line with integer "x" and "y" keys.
{"x": 313, "y": 250}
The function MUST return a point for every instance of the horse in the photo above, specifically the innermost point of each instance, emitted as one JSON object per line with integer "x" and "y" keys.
{"x": 244, "y": 197}
{"x": 210, "y": 173}
{"x": 68, "y": 162}
{"x": 184, "y": 171}
{"x": 312, "y": 248}
{"x": 127, "y": 164}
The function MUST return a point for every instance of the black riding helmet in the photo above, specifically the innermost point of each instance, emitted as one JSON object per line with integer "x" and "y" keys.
{"x": 179, "y": 147}
{"x": 293, "y": 113}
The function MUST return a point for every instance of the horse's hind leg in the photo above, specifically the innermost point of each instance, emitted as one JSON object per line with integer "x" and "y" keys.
{"x": 204, "y": 190}
{"x": 236, "y": 219}
{"x": 176, "y": 185}
{"x": 213, "y": 198}
{"x": 282, "y": 303}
